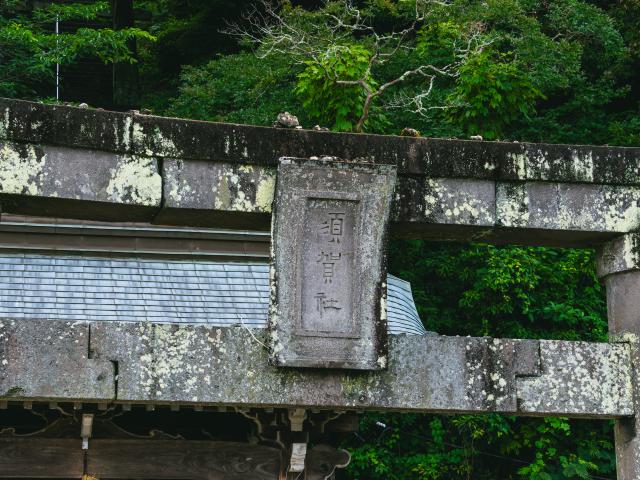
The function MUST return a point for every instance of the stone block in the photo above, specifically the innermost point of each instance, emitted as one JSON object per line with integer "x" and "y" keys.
{"x": 328, "y": 267}
{"x": 31, "y": 122}
{"x": 581, "y": 163}
{"x": 578, "y": 378}
{"x": 32, "y": 174}
{"x": 619, "y": 255}
{"x": 447, "y": 201}
{"x": 200, "y": 365}
{"x": 568, "y": 207}
{"x": 218, "y": 186}
{"x": 623, "y": 302}
{"x": 50, "y": 361}
{"x": 194, "y": 140}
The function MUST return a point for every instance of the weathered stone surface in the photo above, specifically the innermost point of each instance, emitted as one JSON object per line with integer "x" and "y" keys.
{"x": 619, "y": 255}
{"x": 165, "y": 363}
{"x": 623, "y": 302}
{"x": 328, "y": 266}
{"x": 527, "y": 361}
{"x": 61, "y": 125}
{"x": 436, "y": 158}
{"x": 585, "y": 378}
{"x": 222, "y": 175}
{"x": 50, "y": 360}
{"x": 32, "y": 174}
{"x": 92, "y": 184}
{"x": 618, "y": 264}
{"x": 196, "y": 190}
{"x": 627, "y": 439}
{"x": 446, "y": 201}
{"x": 573, "y": 163}
{"x": 205, "y": 365}
{"x": 229, "y": 366}
{"x": 577, "y": 207}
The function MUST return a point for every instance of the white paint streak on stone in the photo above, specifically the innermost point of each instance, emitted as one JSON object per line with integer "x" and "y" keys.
{"x": 126, "y": 134}
{"x": 165, "y": 146}
{"x": 490, "y": 166}
{"x": 538, "y": 165}
{"x": 180, "y": 188}
{"x": 137, "y": 135}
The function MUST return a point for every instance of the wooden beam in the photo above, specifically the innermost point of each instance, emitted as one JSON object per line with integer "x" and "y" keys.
{"x": 182, "y": 460}
{"x": 40, "y": 458}
{"x": 22, "y": 458}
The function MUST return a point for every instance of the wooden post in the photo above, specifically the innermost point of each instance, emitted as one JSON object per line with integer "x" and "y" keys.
{"x": 619, "y": 267}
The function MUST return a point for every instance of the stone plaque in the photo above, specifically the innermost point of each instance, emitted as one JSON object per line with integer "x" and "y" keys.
{"x": 328, "y": 306}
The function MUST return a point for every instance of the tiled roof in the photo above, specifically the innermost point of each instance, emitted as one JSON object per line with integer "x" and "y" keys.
{"x": 136, "y": 289}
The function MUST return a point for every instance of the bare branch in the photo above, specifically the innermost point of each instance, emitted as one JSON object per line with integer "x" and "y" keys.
{"x": 335, "y": 28}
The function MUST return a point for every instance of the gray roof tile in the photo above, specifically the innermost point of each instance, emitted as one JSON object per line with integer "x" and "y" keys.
{"x": 108, "y": 289}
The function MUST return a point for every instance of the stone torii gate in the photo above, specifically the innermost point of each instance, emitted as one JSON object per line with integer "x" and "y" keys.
{"x": 88, "y": 164}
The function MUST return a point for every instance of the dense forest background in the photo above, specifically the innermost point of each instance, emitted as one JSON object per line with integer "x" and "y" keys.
{"x": 561, "y": 71}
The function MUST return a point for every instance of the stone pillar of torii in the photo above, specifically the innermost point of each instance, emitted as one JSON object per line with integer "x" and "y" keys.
{"x": 619, "y": 268}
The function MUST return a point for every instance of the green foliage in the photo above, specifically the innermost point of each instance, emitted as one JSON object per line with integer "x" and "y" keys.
{"x": 625, "y": 132}
{"x": 323, "y": 100}
{"x": 30, "y": 49}
{"x": 490, "y": 94}
{"x": 238, "y": 88}
{"x": 74, "y": 11}
{"x": 521, "y": 292}
{"x": 436, "y": 41}
{"x": 487, "y": 447}
{"x": 591, "y": 26}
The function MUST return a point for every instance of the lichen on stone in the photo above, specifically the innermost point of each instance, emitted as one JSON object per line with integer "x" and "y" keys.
{"x": 579, "y": 378}
{"x": 519, "y": 161}
{"x": 265, "y": 191}
{"x": 512, "y": 205}
{"x": 135, "y": 180}
{"x": 244, "y": 188}
{"x": 4, "y": 124}
{"x": 468, "y": 202}
{"x": 20, "y": 169}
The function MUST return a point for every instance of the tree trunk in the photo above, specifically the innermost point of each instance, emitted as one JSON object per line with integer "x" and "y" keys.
{"x": 126, "y": 87}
